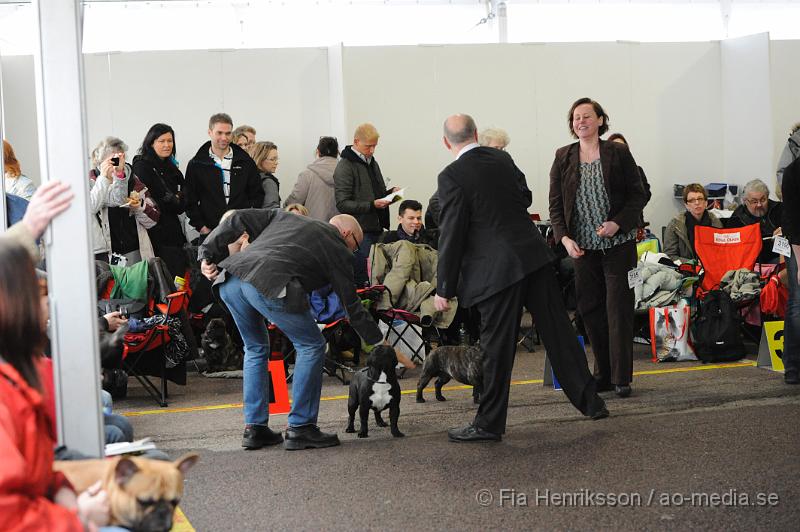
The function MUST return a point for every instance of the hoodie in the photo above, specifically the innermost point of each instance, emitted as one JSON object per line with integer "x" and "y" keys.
{"x": 315, "y": 189}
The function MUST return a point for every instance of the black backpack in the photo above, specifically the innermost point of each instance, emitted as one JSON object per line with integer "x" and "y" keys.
{"x": 715, "y": 329}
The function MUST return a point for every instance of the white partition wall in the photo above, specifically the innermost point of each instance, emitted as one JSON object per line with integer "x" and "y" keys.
{"x": 669, "y": 99}
{"x": 747, "y": 110}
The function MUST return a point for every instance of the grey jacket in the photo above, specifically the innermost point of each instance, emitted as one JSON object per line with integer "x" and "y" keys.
{"x": 355, "y": 193}
{"x": 290, "y": 252}
{"x": 315, "y": 189}
{"x": 676, "y": 238}
{"x": 271, "y": 186}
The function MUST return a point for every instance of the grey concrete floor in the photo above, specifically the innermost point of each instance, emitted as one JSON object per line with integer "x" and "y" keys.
{"x": 683, "y": 452}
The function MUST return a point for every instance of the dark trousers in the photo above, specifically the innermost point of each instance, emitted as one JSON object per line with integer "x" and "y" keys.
{"x": 360, "y": 258}
{"x": 500, "y": 318}
{"x": 606, "y": 305}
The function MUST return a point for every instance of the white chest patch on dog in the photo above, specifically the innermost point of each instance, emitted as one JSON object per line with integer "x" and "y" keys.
{"x": 380, "y": 392}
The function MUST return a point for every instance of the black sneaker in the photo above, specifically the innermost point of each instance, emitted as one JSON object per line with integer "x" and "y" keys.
{"x": 258, "y": 436}
{"x": 308, "y": 437}
{"x": 791, "y": 376}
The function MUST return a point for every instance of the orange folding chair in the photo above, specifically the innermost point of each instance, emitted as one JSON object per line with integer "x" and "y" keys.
{"x": 723, "y": 250}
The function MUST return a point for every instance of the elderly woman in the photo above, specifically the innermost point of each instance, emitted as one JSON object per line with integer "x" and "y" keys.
{"x": 122, "y": 210}
{"x": 17, "y": 183}
{"x": 493, "y": 137}
{"x": 596, "y": 199}
{"x": 265, "y": 155}
{"x": 679, "y": 235}
{"x": 244, "y": 136}
{"x": 156, "y": 166}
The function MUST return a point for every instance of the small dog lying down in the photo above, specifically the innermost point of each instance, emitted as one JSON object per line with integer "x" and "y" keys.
{"x": 375, "y": 387}
{"x": 218, "y": 348}
{"x": 142, "y": 493}
{"x": 463, "y": 363}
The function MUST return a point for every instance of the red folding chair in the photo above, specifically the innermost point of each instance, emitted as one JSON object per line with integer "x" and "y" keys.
{"x": 723, "y": 250}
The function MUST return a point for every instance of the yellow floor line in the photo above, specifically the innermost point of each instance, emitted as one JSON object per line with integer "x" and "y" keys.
{"x": 180, "y": 523}
{"x": 704, "y": 367}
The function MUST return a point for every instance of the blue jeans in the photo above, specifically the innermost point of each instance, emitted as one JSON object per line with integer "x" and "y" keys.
{"x": 249, "y": 308}
{"x": 360, "y": 258}
{"x": 791, "y": 325}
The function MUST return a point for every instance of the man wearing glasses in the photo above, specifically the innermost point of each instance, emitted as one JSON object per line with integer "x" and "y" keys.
{"x": 757, "y": 208}
{"x": 288, "y": 257}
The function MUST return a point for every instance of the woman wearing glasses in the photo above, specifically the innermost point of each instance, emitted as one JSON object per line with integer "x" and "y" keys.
{"x": 265, "y": 155}
{"x": 596, "y": 199}
{"x": 679, "y": 235}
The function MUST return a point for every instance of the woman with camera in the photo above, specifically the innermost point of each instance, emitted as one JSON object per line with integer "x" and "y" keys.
{"x": 121, "y": 208}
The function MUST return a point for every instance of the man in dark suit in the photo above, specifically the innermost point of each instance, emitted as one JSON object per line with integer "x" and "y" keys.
{"x": 494, "y": 258}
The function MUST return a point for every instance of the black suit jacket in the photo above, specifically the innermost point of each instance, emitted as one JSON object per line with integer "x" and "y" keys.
{"x": 205, "y": 199}
{"x": 486, "y": 235}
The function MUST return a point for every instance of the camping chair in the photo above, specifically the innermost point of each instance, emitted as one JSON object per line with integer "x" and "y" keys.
{"x": 282, "y": 349}
{"x": 143, "y": 353}
{"x": 723, "y": 250}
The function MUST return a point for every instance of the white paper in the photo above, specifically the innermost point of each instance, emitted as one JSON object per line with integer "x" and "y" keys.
{"x": 394, "y": 196}
{"x": 113, "y": 449}
{"x": 781, "y": 246}
{"x": 635, "y": 278}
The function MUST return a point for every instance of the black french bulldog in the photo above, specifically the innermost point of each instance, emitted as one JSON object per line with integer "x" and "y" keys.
{"x": 375, "y": 387}
{"x": 219, "y": 350}
{"x": 463, "y": 363}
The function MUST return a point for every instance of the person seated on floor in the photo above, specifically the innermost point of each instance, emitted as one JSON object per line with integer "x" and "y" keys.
{"x": 757, "y": 208}
{"x": 679, "y": 235}
{"x": 410, "y": 227}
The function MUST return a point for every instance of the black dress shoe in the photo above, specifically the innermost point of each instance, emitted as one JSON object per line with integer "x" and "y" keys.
{"x": 308, "y": 437}
{"x": 622, "y": 390}
{"x": 258, "y": 436}
{"x": 599, "y": 414}
{"x": 791, "y": 377}
{"x": 472, "y": 433}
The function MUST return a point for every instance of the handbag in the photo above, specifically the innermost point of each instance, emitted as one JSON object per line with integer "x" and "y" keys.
{"x": 669, "y": 333}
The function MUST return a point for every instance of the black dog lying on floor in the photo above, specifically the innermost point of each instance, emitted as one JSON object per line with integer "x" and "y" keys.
{"x": 375, "y": 387}
{"x": 463, "y": 363}
{"x": 218, "y": 348}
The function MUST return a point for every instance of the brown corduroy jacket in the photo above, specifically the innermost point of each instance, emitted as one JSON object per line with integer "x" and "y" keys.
{"x": 623, "y": 186}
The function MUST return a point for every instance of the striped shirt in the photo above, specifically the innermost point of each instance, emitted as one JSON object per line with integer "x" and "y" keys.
{"x": 591, "y": 210}
{"x": 224, "y": 165}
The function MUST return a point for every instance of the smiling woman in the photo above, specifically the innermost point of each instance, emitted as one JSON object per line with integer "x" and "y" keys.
{"x": 596, "y": 200}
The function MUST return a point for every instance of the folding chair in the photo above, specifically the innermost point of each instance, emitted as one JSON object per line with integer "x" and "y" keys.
{"x": 723, "y": 250}
{"x": 143, "y": 351}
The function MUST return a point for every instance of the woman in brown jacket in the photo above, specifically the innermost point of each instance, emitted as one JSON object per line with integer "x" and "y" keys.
{"x": 596, "y": 198}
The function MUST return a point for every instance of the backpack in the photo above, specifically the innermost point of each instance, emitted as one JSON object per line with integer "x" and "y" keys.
{"x": 715, "y": 329}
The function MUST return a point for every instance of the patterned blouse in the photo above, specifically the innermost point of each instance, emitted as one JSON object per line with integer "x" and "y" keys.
{"x": 591, "y": 209}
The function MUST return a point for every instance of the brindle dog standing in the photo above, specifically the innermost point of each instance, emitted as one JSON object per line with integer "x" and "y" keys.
{"x": 375, "y": 387}
{"x": 463, "y": 363}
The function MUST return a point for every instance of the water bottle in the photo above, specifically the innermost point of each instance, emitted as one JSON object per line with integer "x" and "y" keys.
{"x": 463, "y": 335}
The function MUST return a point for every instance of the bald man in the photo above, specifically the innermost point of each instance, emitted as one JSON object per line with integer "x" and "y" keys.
{"x": 288, "y": 256}
{"x": 492, "y": 256}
